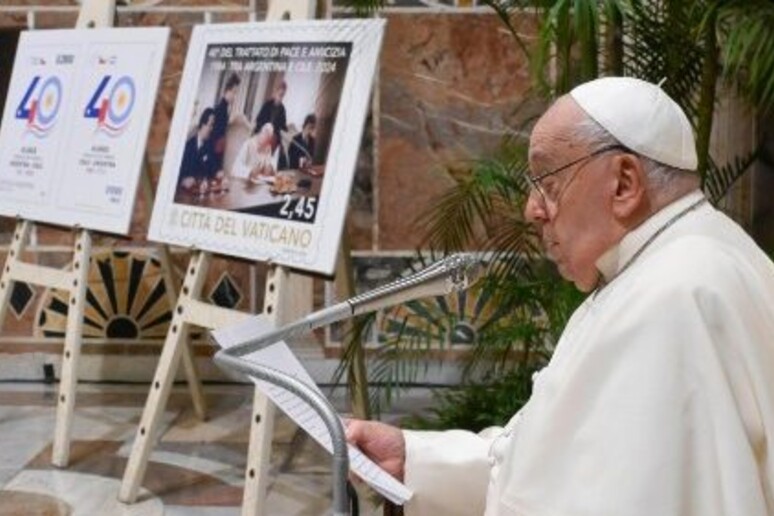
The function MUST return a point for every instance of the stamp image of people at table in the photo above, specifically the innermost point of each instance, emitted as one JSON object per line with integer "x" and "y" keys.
{"x": 261, "y": 128}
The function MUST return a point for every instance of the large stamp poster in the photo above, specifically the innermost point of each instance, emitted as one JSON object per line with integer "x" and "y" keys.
{"x": 261, "y": 152}
{"x": 75, "y": 125}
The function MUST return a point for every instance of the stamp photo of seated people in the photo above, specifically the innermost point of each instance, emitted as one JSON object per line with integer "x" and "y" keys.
{"x": 255, "y": 159}
{"x": 258, "y": 136}
{"x": 199, "y": 163}
{"x": 273, "y": 112}
{"x": 223, "y": 116}
{"x": 301, "y": 151}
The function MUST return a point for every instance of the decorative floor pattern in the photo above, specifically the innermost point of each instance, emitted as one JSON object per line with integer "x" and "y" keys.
{"x": 196, "y": 469}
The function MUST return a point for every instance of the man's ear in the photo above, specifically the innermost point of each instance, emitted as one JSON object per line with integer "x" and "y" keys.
{"x": 629, "y": 196}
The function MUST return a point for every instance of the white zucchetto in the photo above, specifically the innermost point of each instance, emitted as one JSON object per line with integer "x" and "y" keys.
{"x": 642, "y": 117}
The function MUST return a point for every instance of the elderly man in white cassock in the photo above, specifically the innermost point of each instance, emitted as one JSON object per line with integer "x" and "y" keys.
{"x": 659, "y": 398}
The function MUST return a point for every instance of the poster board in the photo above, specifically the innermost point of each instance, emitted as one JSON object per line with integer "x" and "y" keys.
{"x": 75, "y": 125}
{"x": 262, "y": 148}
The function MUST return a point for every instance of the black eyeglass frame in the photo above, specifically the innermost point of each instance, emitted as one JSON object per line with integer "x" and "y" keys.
{"x": 534, "y": 182}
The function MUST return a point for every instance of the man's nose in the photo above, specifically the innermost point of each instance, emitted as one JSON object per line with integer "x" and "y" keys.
{"x": 534, "y": 209}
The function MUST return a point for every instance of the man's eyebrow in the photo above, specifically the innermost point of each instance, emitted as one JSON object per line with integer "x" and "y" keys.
{"x": 545, "y": 157}
{"x": 540, "y": 161}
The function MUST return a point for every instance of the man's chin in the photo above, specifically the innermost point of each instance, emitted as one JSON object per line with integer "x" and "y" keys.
{"x": 583, "y": 284}
{"x": 586, "y": 284}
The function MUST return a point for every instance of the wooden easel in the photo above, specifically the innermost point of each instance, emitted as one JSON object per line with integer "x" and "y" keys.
{"x": 93, "y": 13}
{"x": 75, "y": 282}
{"x": 287, "y": 296}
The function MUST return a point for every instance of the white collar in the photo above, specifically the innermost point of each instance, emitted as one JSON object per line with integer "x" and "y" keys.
{"x": 614, "y": 259}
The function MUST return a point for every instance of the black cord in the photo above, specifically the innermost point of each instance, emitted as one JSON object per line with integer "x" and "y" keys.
{"x": 355, "y": 504}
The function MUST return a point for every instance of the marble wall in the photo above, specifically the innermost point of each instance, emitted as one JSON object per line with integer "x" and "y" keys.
{"x": 452, "y": 86}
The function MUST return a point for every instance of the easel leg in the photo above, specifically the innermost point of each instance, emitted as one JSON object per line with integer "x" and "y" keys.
{"x": 174, "y": 345}
{"x": 171, "y": 284}
{"x": 72, "y": 350}
{"x": 258, "y": 456}
{"x": 194, "y": 384}
{"x": 280, "y": 306}
{"x": 189, "y": 365}
{"x": 18, "y": 242}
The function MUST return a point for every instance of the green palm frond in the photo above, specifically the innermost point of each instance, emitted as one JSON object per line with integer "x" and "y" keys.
{"x": 452, "y": 223}
{"x": 662, "y": 46}
{"x": 484, "y": 212}
{"x": 480, "y": 404}
{"x": 553, "y": 45}
{"x": 614, "y": 13}
{"x": 585, "y": 17}
{"x": 504, "y": 9}
{"x": 363, "y": 7}
{"x": 398, "y": 360}
{"x": 746, "y": 33}
{"x": 354, "y": 338}
{"x": 490, "y": 191}
{"x": 513, "y": 246}
{"x": 720, "y": 179}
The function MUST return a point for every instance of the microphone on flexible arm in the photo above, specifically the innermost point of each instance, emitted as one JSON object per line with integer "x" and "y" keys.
{"x": 453, "y": 273}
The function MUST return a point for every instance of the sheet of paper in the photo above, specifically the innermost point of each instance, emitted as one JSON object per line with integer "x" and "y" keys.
{"x": 278, "y": 356}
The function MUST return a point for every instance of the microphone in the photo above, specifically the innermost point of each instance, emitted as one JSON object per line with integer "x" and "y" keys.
{"x": 453, "y": 273}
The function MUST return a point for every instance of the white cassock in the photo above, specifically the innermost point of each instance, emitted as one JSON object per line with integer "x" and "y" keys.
{"x": 658, "y": 401}
{"x": 250, "y": 157}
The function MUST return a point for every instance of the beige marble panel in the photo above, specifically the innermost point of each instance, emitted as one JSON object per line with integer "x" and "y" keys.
{"x": 452, "y": 87}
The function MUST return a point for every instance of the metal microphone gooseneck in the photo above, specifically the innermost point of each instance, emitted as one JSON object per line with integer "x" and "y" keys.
{"x": 453, "y": 273}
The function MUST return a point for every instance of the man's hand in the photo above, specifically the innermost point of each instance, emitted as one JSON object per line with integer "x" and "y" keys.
{"x": 382, "y": 443}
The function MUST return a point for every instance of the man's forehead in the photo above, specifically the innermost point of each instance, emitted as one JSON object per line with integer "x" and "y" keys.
{"x": 555, "y": 132}
{"x": 548, "y": 148}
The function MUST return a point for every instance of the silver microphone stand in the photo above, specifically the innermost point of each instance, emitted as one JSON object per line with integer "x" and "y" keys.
{"x": 456, "y": 272}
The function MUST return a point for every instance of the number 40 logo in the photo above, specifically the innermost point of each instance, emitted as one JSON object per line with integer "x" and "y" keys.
{"x": 40, "y": 104}
{"x": 111, "y": 104}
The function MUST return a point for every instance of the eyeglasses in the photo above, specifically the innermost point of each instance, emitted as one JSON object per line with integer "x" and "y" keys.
{"x": 551, "y": 195}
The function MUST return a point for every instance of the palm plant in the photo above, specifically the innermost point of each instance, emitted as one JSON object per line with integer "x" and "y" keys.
{"x": 695, "y": 45}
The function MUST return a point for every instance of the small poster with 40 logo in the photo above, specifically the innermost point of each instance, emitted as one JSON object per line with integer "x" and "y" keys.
{"x": 75, "y": 125}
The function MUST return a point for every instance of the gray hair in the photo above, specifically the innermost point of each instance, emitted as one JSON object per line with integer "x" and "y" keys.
{"x": 661, "y": 178}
